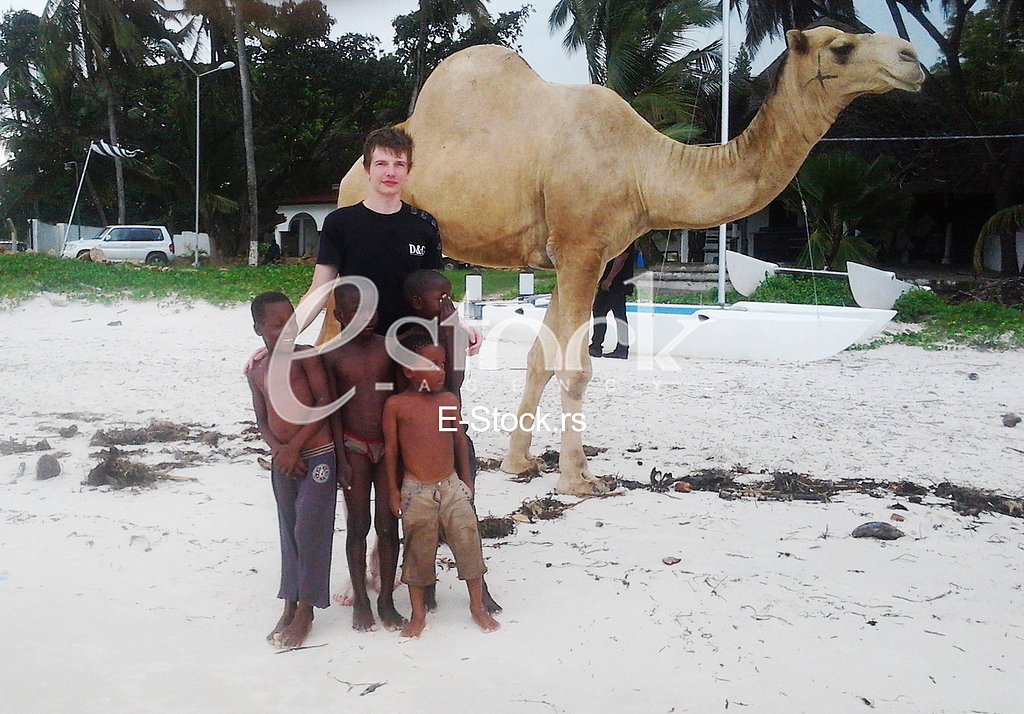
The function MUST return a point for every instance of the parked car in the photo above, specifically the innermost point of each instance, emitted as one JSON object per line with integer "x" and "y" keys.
{"x": 146, "y": 244}
{"x": 452, "y": 264}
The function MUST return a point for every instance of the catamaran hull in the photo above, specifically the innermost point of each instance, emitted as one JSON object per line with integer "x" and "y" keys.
{"x": 744, "y": 331}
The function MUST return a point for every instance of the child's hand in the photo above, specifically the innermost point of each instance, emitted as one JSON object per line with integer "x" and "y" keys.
{"x": 476, "y": 340}
{"x": 447, "y": 308}
{"x": 287, "y": 460}
{"x": 344, "y": 474}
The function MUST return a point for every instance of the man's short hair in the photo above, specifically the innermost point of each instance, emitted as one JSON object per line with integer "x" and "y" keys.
{"x": 390, "y": 138}
{"x": 420, "y": 281}
{"x": 260, "y": 302}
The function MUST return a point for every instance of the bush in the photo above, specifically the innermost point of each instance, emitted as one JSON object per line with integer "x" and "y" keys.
{"x": 805, "y": 290}
{"x": 917, "y": 305}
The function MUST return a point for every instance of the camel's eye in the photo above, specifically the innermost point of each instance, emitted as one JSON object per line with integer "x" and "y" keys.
{"x": 842, "y": 52}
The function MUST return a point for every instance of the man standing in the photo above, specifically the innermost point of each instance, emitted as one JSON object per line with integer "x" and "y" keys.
{"x": 611, "y": 297}
{"x": 381, "y": 238}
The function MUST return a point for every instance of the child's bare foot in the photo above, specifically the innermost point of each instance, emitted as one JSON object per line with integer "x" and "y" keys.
{"x": 414, "y": 627}
{"x": 362, "y": 618}
{"x": 484, "y": 620}
{"x": 347, "y": 596}
{"x": 389, "y": 616}
{"x": 298, "y": 629}
{"x": 286, "y": 618}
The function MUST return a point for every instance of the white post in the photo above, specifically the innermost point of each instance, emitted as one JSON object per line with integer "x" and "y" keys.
{"x": 472, "y": 306}
{"x": 722, "y": 243}
{"x": 474, "y": 287}
{"x": 525, "y": 284}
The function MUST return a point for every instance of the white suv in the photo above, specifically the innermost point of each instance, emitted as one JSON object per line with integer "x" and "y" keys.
{"x": 149, "y": 244}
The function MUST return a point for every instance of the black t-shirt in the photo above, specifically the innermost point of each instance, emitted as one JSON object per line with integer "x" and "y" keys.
{"x": 384, "y": 247}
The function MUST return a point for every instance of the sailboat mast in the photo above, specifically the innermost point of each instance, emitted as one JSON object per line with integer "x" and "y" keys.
{"x": 724, "y": 140}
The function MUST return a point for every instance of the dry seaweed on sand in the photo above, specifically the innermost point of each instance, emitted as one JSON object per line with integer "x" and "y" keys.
{"x": 11, "y": 446}
{"x": 543, "y": 509}
{"x": 972, "y": 501}
{"x": 157, "y": 431}
{"x": 496, "y": 527}
{"x": 117, "y": 470}
{"x": 488, "y": 464}
{"x": 785, "y": 486}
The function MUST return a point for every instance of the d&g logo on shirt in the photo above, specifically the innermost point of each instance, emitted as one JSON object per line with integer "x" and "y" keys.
{"x": 418, "y": 250}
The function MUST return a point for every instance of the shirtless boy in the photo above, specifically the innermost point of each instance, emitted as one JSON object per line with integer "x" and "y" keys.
{"x": 363, "y": 365}
{"x": 303, "y": 477}
{"x": 421, "y": 431}
{"x": 429, "y": 295}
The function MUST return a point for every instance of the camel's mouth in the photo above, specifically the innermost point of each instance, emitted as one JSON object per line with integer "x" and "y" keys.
{"x": 909, "y": 84}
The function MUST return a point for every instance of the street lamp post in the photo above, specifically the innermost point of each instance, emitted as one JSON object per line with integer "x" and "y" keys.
{"x": 68, "y": 165}
{"x": 173, "y": 51}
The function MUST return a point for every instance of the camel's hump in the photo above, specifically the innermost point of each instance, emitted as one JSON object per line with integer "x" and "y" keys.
{"x": 482, "y": 62}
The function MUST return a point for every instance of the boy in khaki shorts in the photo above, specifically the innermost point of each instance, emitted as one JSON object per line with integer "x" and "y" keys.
{"x": 422, "y": 431}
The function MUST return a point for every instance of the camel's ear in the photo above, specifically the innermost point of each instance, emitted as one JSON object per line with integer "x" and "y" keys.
{"x": 797, "y": 42}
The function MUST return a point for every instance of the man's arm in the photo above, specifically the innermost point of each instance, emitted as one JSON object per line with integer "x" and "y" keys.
{"x": 259, "y": 405}
{"x": 617, "y": 264}
{"x": 316, "y": 378}
{"x": 390, "y": 424}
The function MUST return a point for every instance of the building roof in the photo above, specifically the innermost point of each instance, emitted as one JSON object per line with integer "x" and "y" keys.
{"x": 325, "y": 196}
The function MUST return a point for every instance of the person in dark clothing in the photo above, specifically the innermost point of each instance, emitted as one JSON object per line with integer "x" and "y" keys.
{"x": 611, "y": 296}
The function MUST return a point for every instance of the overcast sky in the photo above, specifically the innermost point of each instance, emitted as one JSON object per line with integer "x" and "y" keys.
{"x": 542, "y": 50}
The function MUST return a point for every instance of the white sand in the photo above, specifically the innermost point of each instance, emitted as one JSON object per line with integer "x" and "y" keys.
{"x": 159, "y": 599}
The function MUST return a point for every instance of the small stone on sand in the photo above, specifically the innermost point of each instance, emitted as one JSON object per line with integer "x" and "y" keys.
{"x": 47, "y": 467}
{"x": 879, "y": 530}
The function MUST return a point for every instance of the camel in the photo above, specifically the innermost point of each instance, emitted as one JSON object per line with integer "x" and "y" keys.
{"x": 521, "y": 172}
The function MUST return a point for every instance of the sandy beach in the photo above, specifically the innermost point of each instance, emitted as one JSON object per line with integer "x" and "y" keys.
{"x": 159, "y": 599}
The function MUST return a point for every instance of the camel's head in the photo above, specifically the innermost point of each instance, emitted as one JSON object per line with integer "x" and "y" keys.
{"x": 846, "y": 65}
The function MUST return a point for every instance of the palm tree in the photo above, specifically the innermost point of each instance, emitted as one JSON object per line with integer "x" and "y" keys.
{"x": 772, "y": 18}
{"x": 18, "y": 52}
{"x": 851, "y": 205}
{"x": 440, "y": 12}
{"x": 106, "y": 40}
{"x": 219, "y": 22}
{"x": 640, "y": 50}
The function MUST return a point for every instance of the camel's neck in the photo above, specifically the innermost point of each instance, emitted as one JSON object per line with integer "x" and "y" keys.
{"x": 699, "y": 187}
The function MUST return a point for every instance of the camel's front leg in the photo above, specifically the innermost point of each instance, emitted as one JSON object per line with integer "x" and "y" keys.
{"x": 567, "y": 319}
{"x": 540, "y": 367}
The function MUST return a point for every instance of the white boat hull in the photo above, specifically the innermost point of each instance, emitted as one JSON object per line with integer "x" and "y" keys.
{"x": 744, "y": 331}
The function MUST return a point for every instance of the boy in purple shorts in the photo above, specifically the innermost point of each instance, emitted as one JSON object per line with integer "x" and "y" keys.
{"x": 422, "y": 432}
{"x": 305, "y": 476}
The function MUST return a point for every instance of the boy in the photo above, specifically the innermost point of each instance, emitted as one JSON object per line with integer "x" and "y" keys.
{"x": 303, "y": 477}
{"x": 421, "y": 428}
{"x": 429, "y": 295}
{"x": 364, "y": 366}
